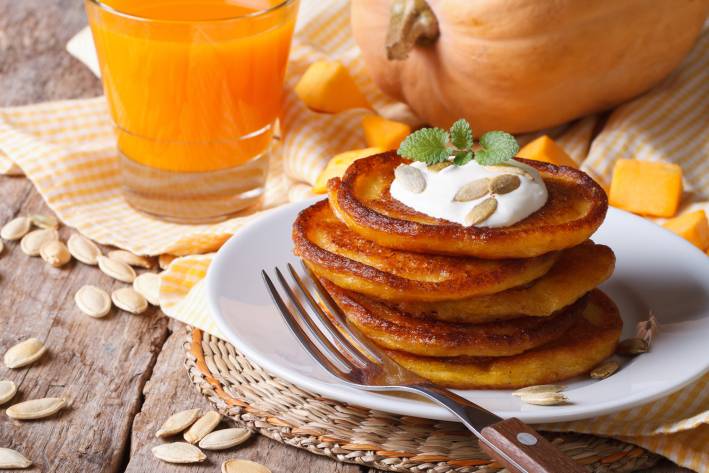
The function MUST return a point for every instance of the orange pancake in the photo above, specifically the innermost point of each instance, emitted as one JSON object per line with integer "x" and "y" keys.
{"x": 392, "y": 329}
{"x": 576, "y": 272}
{"x": 574, "y": 210}
{"x": 590, "y": 340}
{"x": 340, "y": 255}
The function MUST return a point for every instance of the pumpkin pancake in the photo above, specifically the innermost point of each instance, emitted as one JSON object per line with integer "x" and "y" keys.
{"x": 334, "y": 252}
{"x": 577, "y": 271}
{"x": 591, "y": 339}
{"x": 393, "y": 329}
{"x": 575, "y": 208}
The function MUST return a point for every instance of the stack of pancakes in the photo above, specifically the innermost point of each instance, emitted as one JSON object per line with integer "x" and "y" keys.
{"x": 467, "y": 307}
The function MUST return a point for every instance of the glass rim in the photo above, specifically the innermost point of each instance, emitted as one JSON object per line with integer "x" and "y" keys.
{"x": 100, "y": 4}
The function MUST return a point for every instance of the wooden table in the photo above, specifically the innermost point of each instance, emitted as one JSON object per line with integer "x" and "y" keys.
{"x": 123, "y": 374}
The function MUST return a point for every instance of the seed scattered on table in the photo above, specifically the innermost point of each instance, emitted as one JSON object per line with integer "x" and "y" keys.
{"x": 116, "y": 269}
{"x": 15, "y": 228}
{"x": 178, "y": 423}
{"x": 24, "y": 353}
{"x": 128, "y": 299}
{"x": 148, "y": 285}
{"x": 12, "y": 459}
{"x": 243, "y": 466}
{"x": 93, "y": 301}
{"x": 632, "y": 347}
{"x": 225, "y": 438}
{"x": 32, "y": 242}
{"x": 604, "y": 370}
{"x": 130, "y": 259}
{"x": 83, "y": 249}
{"x": 44, "y": 221}
{"x": 178, "y": 452}
{"x": 7, "y": 390}
{"x": 55, "y": 253}
{"x": 204, "y": 425}
{"x": 36, "y": 408}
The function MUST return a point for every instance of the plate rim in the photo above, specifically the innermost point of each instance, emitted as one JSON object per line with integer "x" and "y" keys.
{"x": 408, "y": 407}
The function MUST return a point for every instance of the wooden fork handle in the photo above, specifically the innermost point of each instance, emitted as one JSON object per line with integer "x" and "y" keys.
{"x": 527, "y": 448}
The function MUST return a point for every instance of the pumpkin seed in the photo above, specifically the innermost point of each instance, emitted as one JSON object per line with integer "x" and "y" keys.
{"x": 83, "y": 249}
{"x": 541, "y": 388}
{"x": 7, "y": 390}
{"x": 243, "y": 466}
{"x": 204, "y": 425}
{"x": 126, "y": 298}
{"x": 509, "y": 169}
{"x": 44, "y": 221}
{"x": 225, "y": 438}
{"x": 130, "y": 259}
{"x": 33, "y": 241}
{"x": 179, "y": 452}
{"x": 55, "y": 253}
{"x": 36, "y": 408}
{"x": 178, "y": 422}
{"x": 439, "y": 166}
{"x": 24, "y": 353}
{"x": 11, "y": 460}
{"x": 604, "y": 370}
{"x": 116, "y": 269}
{"x": 632, "y": 347}
{"x": 410, "y": 178}
{"x": 647, "y": 329}
{"x": 481, "y": 212}
{"x": 504, "y": 183}
{"x": 165, "y": 259}
{"x": 544, "y": 399}
{"x": 473, "y": 190}
{"x": 148, "y": 285}
{"x": 15, "y": 228}
{"x": 93, "y": 301}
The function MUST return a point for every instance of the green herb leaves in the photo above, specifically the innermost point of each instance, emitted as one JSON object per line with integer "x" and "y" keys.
{"x": 434, "y": 145}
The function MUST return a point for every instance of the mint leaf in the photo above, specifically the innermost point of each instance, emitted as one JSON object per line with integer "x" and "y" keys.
{"x": 429, "y": 145}
{"x": 496, "y": 147}
{"x": 462, "y": 157}
{"x": 461, "y": 135}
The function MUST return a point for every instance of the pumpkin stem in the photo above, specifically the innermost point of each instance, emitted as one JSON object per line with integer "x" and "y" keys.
{"x": 412, "y": 23}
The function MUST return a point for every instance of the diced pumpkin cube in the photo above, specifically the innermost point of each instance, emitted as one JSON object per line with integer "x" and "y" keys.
{"x": 382, "y": 133}
{"x": 328, "y": 87}
{"x": 337, "y": 166}
{"x": 646, "y": 187}
{"x": 547, "y": 150}
{"x": 691, "y": 226}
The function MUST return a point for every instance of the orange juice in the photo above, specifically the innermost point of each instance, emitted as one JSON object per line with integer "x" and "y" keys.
{"x": 193, "y": 85}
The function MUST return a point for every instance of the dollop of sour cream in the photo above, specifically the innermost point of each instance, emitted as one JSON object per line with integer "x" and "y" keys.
{"x": 438, "y": 196}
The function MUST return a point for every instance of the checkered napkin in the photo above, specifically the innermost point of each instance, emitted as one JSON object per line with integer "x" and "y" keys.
{"x": 67, "y": 150}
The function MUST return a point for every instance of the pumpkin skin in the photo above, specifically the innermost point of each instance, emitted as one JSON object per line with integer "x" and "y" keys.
{"x": 524, "y": 65}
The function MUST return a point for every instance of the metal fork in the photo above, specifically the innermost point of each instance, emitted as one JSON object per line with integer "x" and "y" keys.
{"x": 342, "y": 350}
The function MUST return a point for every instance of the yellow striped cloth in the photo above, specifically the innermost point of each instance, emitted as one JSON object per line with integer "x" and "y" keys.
{"x": 67, "y": 150}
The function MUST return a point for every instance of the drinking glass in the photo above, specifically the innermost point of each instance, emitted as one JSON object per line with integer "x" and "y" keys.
{"x": 194, "y": 88}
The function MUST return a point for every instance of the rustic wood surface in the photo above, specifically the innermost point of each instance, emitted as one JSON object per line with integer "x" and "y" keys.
{"x": 123, "y": 375}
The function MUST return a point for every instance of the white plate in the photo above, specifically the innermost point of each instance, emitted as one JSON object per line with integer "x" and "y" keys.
{"x": 655, "y": 269}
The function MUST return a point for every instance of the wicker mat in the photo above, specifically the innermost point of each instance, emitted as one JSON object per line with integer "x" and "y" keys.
{"x": 281, "y": 411}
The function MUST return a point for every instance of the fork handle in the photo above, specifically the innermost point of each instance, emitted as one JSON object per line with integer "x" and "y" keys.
{"x": 510, "y": 441}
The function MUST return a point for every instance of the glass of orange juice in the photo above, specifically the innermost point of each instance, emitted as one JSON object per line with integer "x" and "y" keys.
{"x": 194, "y": 88}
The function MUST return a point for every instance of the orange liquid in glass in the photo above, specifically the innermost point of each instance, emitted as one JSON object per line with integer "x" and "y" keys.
{"x": 193, "y": 87}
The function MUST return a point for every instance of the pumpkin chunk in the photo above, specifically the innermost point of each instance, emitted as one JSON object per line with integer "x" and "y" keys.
{"x": 547, "y": 150}
{"x": 382, "y": 133}
{"x": 692, "y": 226}
{"x": 646, "y": 187}
{"x": 339, "y": 163}
{"x": 328, "y": 87}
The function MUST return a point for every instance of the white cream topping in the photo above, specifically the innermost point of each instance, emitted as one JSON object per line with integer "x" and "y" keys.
{"x": 437, "y": 198}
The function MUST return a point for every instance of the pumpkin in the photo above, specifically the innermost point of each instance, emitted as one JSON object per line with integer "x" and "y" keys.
{"x": 521, "y": 65}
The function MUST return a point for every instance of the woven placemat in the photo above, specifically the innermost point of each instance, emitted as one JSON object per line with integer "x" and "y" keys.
{"x": 281, "y": 411}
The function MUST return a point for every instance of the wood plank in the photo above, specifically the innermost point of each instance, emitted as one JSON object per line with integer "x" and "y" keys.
{"x": 170, "y": 391}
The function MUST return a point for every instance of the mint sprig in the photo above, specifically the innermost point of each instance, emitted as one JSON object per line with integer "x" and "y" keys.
{"x": 434, "y": 145}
